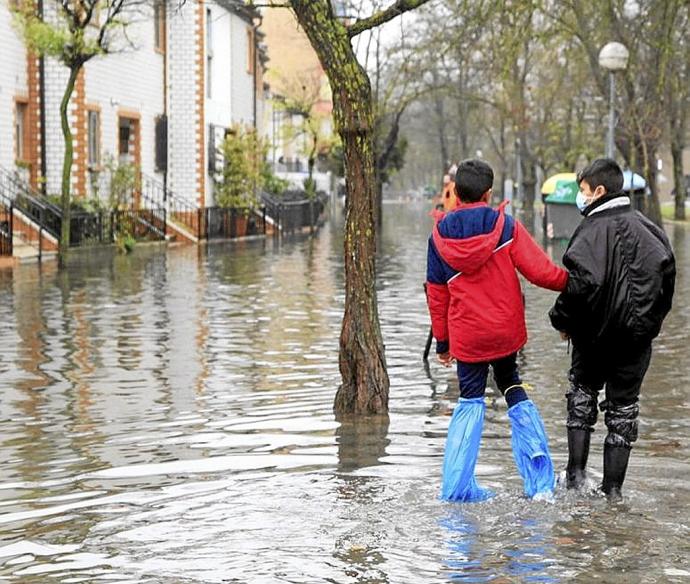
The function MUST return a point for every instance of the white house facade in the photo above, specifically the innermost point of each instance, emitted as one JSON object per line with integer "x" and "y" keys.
{"x": 162, "y": 101}
{"x": 212, "y": 74}
{"x": 19, "y": 101}
{"x": 117, "y": 102}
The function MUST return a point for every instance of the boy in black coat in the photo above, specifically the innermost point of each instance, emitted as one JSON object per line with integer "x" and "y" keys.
{"x": 621, "y": 281}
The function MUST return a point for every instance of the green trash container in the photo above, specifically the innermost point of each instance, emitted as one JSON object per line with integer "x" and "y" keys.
{"x": 561, "y": 213}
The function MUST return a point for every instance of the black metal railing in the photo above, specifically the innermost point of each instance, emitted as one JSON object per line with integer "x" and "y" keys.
{"x": 295, "y": 211}
{"x": 152, "y": 198}
{"x": 141, "y": 224}
{"x": 187, "y": 214}
{"x": 202, "y": 222}
{"x": 149, "y": 209}
{"x": 230, "y": 223}
{"x": 90, "y": 229}
{"x": 31, "y": 203}
{"x": 106, "y": 226}
{"x": 6, "y": 226}
{"x": 144, "y": 220}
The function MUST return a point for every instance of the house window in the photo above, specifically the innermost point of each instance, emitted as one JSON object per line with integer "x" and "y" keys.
{"x": 209, "y": 53}
{"x": 250, "y": 51}
{"x": 129, "y": 139}
{"x": 159, "y": 25}
{"x": 124, "y": 140}
{"x": 161, "y": 143}
{"x": 20, "y": 128}
{"x": 94, "y": 133}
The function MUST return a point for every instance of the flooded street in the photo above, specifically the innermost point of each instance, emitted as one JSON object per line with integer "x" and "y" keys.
{"x": 167, "y": 417}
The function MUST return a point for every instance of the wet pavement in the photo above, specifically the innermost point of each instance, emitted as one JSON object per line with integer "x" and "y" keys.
{"x": 167, "y": 417}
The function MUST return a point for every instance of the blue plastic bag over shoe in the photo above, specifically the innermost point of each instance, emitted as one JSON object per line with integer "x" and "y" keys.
{"x": 462, "y": 449}
{"x": 531, "y": 448}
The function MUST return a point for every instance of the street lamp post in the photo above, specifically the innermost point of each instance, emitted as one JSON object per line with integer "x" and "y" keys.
{"x": 612, "y": 57}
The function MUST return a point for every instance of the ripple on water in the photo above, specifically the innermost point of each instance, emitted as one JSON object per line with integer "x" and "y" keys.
{"x": 167, "y": 417}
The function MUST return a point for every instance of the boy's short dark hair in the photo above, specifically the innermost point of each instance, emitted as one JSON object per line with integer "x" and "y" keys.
{"x": 603, "y": 172}
{"x": 473, "y": 179}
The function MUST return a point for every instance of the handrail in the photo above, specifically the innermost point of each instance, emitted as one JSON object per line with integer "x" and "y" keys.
{"x": 294, "y": 215}
{"x": 232, "y": 222}
{"x": 6, "y": 226}
{"x": 31, "y": 203}
{"x": 131, "y": 219}
{"x": 178, "y": 209}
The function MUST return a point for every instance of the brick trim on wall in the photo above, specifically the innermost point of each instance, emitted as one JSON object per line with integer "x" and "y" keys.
{"x": 80, "y": 136}
{"x": 128, "y": 113}
{"x": 33, "y": 120}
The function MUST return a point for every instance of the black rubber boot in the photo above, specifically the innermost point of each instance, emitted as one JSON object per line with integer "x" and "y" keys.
{"x": 578, "y": 451}
{"x": 615, "y": 466}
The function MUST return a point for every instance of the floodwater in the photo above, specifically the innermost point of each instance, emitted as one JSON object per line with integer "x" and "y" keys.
{"x": 167, "y": 417}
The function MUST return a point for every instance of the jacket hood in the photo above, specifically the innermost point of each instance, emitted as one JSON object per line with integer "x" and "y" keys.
{"x": 469, "y": 254}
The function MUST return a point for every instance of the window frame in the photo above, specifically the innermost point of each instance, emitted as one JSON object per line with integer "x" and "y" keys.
{"x": 93, "y": 163}
{"x": 21, "y": 137}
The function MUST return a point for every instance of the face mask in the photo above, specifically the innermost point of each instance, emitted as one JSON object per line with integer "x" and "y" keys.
{"x": 581, "y": 201}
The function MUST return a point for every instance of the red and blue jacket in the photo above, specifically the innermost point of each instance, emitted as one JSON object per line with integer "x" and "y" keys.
{"x": 473, "y": 290}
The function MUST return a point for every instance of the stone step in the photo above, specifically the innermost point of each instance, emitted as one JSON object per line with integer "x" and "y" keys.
{"x": 23, "y": 251}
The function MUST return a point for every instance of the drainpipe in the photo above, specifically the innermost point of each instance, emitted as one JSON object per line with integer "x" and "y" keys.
{"x": 254, "y": 80}
{"x": 165, "y": 98}
{"x": 42, "y": 110}
{"x": 256, "y": 67}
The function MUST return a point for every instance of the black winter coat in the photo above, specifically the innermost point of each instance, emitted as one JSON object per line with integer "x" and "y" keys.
{"x": 621, "y": 277}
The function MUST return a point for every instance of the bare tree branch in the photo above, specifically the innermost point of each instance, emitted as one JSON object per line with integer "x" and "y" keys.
{"x": 382, "y": 16}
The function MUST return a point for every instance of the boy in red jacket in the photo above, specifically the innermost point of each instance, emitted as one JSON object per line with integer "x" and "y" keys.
{"x": 478, "y": 319}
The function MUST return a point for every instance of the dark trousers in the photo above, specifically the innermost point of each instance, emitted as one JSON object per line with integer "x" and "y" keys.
{"x": 620, "y": 369}
{"x": 472, "y": 376}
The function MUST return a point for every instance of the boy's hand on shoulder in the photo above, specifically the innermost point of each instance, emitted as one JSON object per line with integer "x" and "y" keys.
{"x": 564, "y": 336}
{"x": 445, "y": 359}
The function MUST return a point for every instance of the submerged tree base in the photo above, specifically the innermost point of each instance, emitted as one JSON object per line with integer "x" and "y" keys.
{"x": 350, "y": 399}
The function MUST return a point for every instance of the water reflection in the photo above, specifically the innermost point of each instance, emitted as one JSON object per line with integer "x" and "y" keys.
{"x": 464, "y": 561}
{"x": 361, "y": 442}
{"x": 520, "y": 548}
{"x": 167, "y": 417}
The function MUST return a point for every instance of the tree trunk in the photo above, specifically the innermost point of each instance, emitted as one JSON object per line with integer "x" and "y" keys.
{"x": 677, "y": 131}
{"x": 63, "y": 247}
{"x": 652, "y": 204}
{"x": 503, "y": 156}
{"x": 679, "y": 181}
{"x": 441, "y": 120}
{"x": 378, "y": 205}
{"x": 365, "y": 382}
{"x": 383, "y": 158}
{"x": 311, "y": 163}
{"x": 463, "y": 115}
{"x": 443, "y": 142}
{"x": 528, "y": 177}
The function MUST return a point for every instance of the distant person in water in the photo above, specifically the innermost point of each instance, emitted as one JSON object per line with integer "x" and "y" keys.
{"x": 449, "y": 195}
{"x": 620, "y": 288}
{"x": 478, "y": 319}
